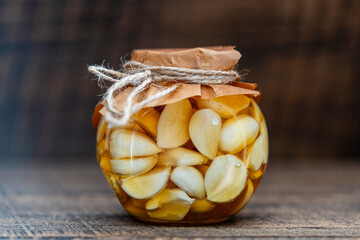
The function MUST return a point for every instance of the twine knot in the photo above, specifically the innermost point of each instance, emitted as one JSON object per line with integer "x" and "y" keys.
{"x": 141, "y": 76}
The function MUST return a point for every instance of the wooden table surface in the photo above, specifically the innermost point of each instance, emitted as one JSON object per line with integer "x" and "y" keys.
{"x": 306, "y": 198}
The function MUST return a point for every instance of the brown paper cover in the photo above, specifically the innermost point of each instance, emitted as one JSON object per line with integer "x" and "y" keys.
{"x": 209, "y": 58}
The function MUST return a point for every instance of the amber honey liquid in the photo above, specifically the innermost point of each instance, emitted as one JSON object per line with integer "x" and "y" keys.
{"x": 202, "y": 211}
{"x": 219, "y": 212}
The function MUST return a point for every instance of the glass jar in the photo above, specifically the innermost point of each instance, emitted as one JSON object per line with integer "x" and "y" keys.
{"x": 191, "y": 161}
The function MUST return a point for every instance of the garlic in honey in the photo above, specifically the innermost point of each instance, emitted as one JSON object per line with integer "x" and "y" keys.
{"x": 170, "y": 205}
{"x": 127, "y": 143}
{"x": 205, "y": 127}
{"x": 133, "y": 166}
{"x": 237, "y": 132}
{"x": 225, "y": 178}
{"x": 173, "y": 125}
{"x": 225, "y": 106}
{"x": 190, "y": 180}
{"x": 180, "y": 157}
{"x": 146, "y": 185}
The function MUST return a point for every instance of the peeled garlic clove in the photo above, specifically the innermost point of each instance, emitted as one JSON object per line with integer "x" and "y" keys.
{"x": 190, "y": 180}
{"x": 237, "y": 132}
{"x": 127, "y": 143}
{"x": 136, "y": 212}
{"x": 225, "y": 106}
{"x": 136, "y": 208}
{"x": 248, "y": 194}
{"x": 105, "y": 164}
{"x": 255, "y": 154}
{"x": 133, "y": 166}
{"x": 204, "y": 128}
{"x": 201, "y": 205}
{"x": 148, "y": 119}
{"x": 264, "y": 132}
{"x": 170, "y": 205}
{"x": 181, "y": 156}
{"x": 256, "y": 112}
{"x": 225, "y": 178}
{"x": 146, "y": 185}
{"x": 173, "y": 126}
{"x": 101, "y": 129}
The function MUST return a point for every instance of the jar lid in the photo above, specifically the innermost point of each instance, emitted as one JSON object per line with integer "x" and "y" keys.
{"x": 221, "y": 58}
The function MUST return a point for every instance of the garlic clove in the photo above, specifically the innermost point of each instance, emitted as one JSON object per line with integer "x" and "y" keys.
{"x": 133, "y": 166}
{"x": 135, "y": 211}
{"x": 225, "y": 106}
{"x": 170, "y": 205}
{"x": 257, "y": 114}
{"x": 136, "y": 208}
{"x": 101, "y": 129}
{"x": 148, "y": 119}
{"x": 190, "y": 180}
{"x": 204, "y": 128}
{"x": 173, "y": 126}
{"x": 201, "y": 205}
{"x": 126, "y": 143}
{"x": 181, "y": 156}
{"x": 255, "y": 154}
{"x": 225, "y": 178}
{"x": 248, "y": 194}
{"x": 104, "y": 127}
{"x": 146, "y": 185}
{"x": 237, "y": 132}
{"x": 264, "y": 132}
{"x": 255, "y": 111}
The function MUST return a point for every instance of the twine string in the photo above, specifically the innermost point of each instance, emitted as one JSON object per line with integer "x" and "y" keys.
{"x": 141, "y": 76}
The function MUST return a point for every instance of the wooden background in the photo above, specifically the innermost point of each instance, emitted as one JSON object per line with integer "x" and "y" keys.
{"x": 304, "y": 55}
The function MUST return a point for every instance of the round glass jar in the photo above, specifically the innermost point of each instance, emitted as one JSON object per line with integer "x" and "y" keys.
{"x": 193, "y": 161}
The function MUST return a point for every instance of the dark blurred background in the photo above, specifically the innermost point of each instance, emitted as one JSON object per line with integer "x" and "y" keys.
{"x": 304, "y": 55}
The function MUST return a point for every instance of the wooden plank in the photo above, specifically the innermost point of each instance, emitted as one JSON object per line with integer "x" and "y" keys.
{"x": 318, "y": 198}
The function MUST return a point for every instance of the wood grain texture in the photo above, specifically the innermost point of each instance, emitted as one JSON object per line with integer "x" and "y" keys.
{"x": 296, "y": 199}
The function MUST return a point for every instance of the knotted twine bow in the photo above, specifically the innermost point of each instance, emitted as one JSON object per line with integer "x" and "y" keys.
{"x": 141, "y": 76}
